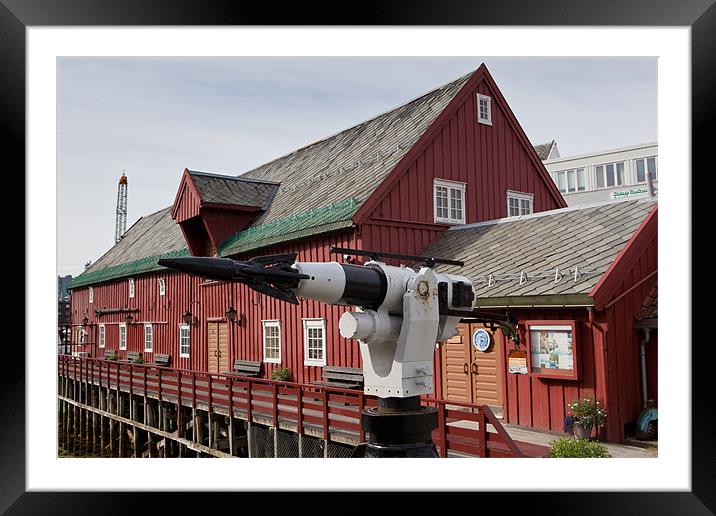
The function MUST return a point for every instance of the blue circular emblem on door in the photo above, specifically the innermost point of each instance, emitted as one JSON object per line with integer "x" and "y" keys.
{"x": 481, "y": 339}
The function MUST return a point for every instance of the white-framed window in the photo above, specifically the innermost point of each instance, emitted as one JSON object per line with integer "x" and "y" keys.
{"x": 610, "y": 174}
{"x": 314, "y": 342}
{"x": 148, "y": 337}
{"x": 101, "y": 336}
{"x": 91, "y": 295}
{"x": 569, "y": 181}
{"x": 449, "y": 201}
{"x": 644, "y": 166}
{"x": 162, "y": 287}
{"x": 131, "y": 287}
{"x": 184, "y": 341}
{"x": 519, "y": 203}
{"x": 272, "y": 341}
{"x": 484, "y": 109}
{"x": 122, "y": 335}
{"x": 82, "y": 336}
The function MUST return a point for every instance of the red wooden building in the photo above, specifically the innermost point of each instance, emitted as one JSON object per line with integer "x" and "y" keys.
{"x": 580, "y": 279}
{"x": 396, "y": 183}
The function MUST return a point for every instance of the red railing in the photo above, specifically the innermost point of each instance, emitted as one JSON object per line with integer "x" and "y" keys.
{"x": 463, "y": 427}
{"x": 471, "y": 430}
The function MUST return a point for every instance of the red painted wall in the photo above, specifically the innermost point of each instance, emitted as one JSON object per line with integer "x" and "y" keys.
{"x": 210, "y": 301}
{"x": 609, "y": 363}
{"x": 489, "y": 159}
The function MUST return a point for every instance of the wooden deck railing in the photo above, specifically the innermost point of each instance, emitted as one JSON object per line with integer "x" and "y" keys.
{"x": 326, "y": 410}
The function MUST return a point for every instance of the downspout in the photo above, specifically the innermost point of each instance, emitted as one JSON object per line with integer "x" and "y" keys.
{"x": 605, "y": 370}
{"x": 642, "y": 352}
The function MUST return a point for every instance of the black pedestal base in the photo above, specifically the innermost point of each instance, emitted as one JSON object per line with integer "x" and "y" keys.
{"x": 399, "y": 427}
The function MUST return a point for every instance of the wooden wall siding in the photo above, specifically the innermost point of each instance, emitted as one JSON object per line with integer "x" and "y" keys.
{"x": 490, "y": 159}
{"x": 623, "y": 340}
{"x": 220, "y": 224}
{"x": 209, "y": 301}
{"x": 187, "y": 201}
{"x": 387, "y": 237}
{"x": 652, "y": 366}
{"x": 542, "y": 402}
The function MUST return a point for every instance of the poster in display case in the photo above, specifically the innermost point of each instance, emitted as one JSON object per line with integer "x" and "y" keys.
{"x": 552, "y": 349}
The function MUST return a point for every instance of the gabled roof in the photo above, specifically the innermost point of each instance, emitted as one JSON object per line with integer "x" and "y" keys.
{"x": 544, "y": 150}
{"x": 354, "y": 162}
{"x": 151, "y": 235}
{"x": 339, "y": 172}
{"x": 513, "y": 261}
{"x": 233, "y": 190}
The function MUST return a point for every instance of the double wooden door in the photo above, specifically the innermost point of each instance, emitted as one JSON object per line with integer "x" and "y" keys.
{"x": 469, "y": 375}
{"x": 218, "y": 348}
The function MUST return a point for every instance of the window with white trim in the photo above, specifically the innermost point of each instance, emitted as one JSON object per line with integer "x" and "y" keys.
{"x": 519, "y": 203}
{"x": 484, "y": 109}
{"x": 610, "y": 174}
{"x": 449, "y": 201}
{"x": 122, "y": 335}
{"x": 131, "y": 287}
{"x": 148, "y": 337}
{"x": 184, "y": 341}
{"x": 314, "y": 342}
{"x": 91, "y": 295}
{"x": 272, "y": 341}
{"x": 162, "y": 287}
{"x": 644, "y": 166}
{"x": 83, "y": 336}
{"x": 569, "y": 181}
{"x": 101, "y": 336}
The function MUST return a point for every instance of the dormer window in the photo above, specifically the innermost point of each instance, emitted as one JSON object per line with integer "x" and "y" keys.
{"x": 449, "y": 202}
{"x": 484, "y": 109}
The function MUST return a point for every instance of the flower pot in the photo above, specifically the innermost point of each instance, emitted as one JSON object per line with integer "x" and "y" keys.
{"x": 582, "y": 433}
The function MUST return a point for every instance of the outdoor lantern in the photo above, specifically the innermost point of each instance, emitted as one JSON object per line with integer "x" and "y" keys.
{"x": 130, "y": 319}
{"x": 187, "y": 317}
{"x": 231, "y": 315}
{"x": 85, "y": 321}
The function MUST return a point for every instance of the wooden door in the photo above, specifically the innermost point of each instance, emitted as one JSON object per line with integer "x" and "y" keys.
{"x": 218, "y": 347}
{"x": 485, "y": 372}
{"x": 455, "y": 364}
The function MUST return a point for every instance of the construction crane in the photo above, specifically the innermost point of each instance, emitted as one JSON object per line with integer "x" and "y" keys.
{"x": 121, "y": 220}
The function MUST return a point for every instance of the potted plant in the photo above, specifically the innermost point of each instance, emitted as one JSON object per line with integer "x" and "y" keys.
{"x": 587, "y": 413}
{"x": 282, "y": 373}
{"x": 568, "y": 425}
{"x": 113, "y": 356}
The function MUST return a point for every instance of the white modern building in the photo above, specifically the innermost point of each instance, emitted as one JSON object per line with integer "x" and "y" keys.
{"x": 625, "y": 173}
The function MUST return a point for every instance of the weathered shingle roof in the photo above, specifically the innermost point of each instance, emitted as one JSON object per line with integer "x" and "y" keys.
{"x": 151, "y": 234}
{"x": 588, "y": 238}
{"x": 220, "y": 189}
{"x": 543, "y": 150}
{"x": 352, "y": 163}
{"x": 650, "y": 307}
{"x": 340, "y": 171}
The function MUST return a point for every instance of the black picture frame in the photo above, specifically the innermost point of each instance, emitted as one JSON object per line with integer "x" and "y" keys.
{"x": 17, "y": 15}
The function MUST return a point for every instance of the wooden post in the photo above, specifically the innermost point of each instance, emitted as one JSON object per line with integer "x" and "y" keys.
{"x": 232, "y": 448}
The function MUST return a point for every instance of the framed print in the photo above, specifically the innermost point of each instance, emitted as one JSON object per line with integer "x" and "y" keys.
{"x": 35, "y": 35}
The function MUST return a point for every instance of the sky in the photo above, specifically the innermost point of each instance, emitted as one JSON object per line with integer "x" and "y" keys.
{"x": 154, "y": 117}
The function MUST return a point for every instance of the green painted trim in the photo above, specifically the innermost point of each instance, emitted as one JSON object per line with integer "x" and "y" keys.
{"x": 148, "y": 264}
{"x": 332, "y": 217}
{"x": 337, "y": 215}
{"x": 558, "y": 300}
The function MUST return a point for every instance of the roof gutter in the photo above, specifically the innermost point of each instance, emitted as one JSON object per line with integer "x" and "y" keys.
{"x": 553, "y": 301}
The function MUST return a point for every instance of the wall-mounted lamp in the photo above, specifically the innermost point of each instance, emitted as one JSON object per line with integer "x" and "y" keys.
{"x": 129, "y": 320}
{"x": 188, "y": 317}
{"x": 231, "y": 315}
{"x": 85, "y": 321}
